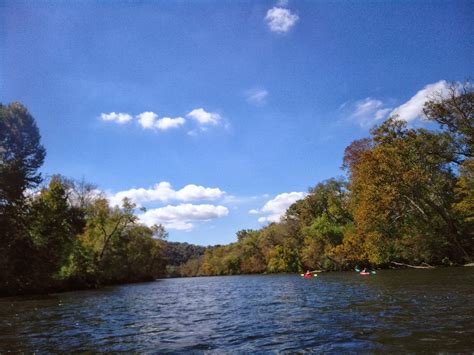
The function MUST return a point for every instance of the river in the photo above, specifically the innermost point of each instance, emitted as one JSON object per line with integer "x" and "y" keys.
{"x": 394, "y": 310}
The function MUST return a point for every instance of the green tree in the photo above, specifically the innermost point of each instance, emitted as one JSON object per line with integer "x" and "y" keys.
{"x": 252, "y": 248}
{"x": 329, "y": 198}
{"x": 105, "y": 225}
{"x": 115, "y": 248}
{"x": 21, "y": 154}
{"x": 320, "y": 238}
{"x": 53, "y": 226}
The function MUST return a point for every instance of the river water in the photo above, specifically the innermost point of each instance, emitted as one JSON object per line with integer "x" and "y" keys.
{"x": 394, "y": 310}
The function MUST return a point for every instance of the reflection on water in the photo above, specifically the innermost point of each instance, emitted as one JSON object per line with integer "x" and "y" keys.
{"x": 404, "y": 310}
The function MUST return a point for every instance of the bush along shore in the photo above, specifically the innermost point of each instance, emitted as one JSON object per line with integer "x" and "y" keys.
{"x": 407, "y": 199}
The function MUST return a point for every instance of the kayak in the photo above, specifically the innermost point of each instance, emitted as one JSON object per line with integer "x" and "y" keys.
{"x": 363, "y": 272}
{"x": 308, "y": 276}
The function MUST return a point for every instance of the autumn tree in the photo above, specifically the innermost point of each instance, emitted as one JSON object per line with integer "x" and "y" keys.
{"x": 402, "y": 196}
{"x": 454, "y": 112}
{"x": 464, "y": 190}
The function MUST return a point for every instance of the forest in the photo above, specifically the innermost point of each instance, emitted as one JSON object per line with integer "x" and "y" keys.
{"x": 407, "y": 196}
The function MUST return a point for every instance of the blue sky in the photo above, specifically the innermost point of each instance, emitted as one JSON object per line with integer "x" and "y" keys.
{"x": 216, "y": 115}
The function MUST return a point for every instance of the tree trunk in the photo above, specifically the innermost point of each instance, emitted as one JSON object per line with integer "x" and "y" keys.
{"x": 413, "y": 266}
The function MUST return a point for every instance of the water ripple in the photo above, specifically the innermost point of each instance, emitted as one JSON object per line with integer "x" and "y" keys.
{"x": 397, "y": 311}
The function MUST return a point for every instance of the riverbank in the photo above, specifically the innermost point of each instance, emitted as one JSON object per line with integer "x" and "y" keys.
{"x": 71, "y": 286}
{"x": 78, "y": 287}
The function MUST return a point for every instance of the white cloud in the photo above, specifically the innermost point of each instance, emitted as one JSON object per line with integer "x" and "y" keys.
{"x": 257, "y": 96}
{"x": 277, "y": 206}
{"x": 150, "y": 120}
{"x": 184, "y": 216}
{"x": 203, "y": 117}
{"x": 163, "y": 192}
{"x": 413, "y": 108}
{"x": 194, "y": 192}
{"x": 120, "y": 118}
{"x": 280, "y": 20}
{"x": 167, "y": 123}
{"x": 147, "y": 119}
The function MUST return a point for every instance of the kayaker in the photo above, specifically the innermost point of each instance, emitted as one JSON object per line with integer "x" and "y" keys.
{"x": 307, "y": 275}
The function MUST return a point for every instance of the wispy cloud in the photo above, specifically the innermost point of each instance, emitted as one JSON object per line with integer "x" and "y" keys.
{"x": 370, "y": 111}
{"x": 184, "y": 216}
{"x": 205, "y": 120}
{"x": 276, "y": 207}
{"x": 243, "y": 200}
{"x": 257, "y": 96}
{"x": 163, "y": 192}
{"x": 280, "y": 20}
{"x": 120, "y": 118}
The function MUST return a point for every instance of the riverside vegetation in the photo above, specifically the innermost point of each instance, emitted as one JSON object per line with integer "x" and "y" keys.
{"x": 408, "y": 196}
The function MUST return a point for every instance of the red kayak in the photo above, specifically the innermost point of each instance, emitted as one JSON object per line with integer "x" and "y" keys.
{"x": 364, "y": 273}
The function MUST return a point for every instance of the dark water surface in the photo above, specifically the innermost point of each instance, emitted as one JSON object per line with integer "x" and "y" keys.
{"x": 395, "y": 310}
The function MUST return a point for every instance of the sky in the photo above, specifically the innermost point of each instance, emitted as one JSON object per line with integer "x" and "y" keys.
{"x": 217, "y": 115}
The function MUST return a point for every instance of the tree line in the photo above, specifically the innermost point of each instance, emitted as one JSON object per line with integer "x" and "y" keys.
{"x": 408, "y": 197}
{"x": 62, "y": 234}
